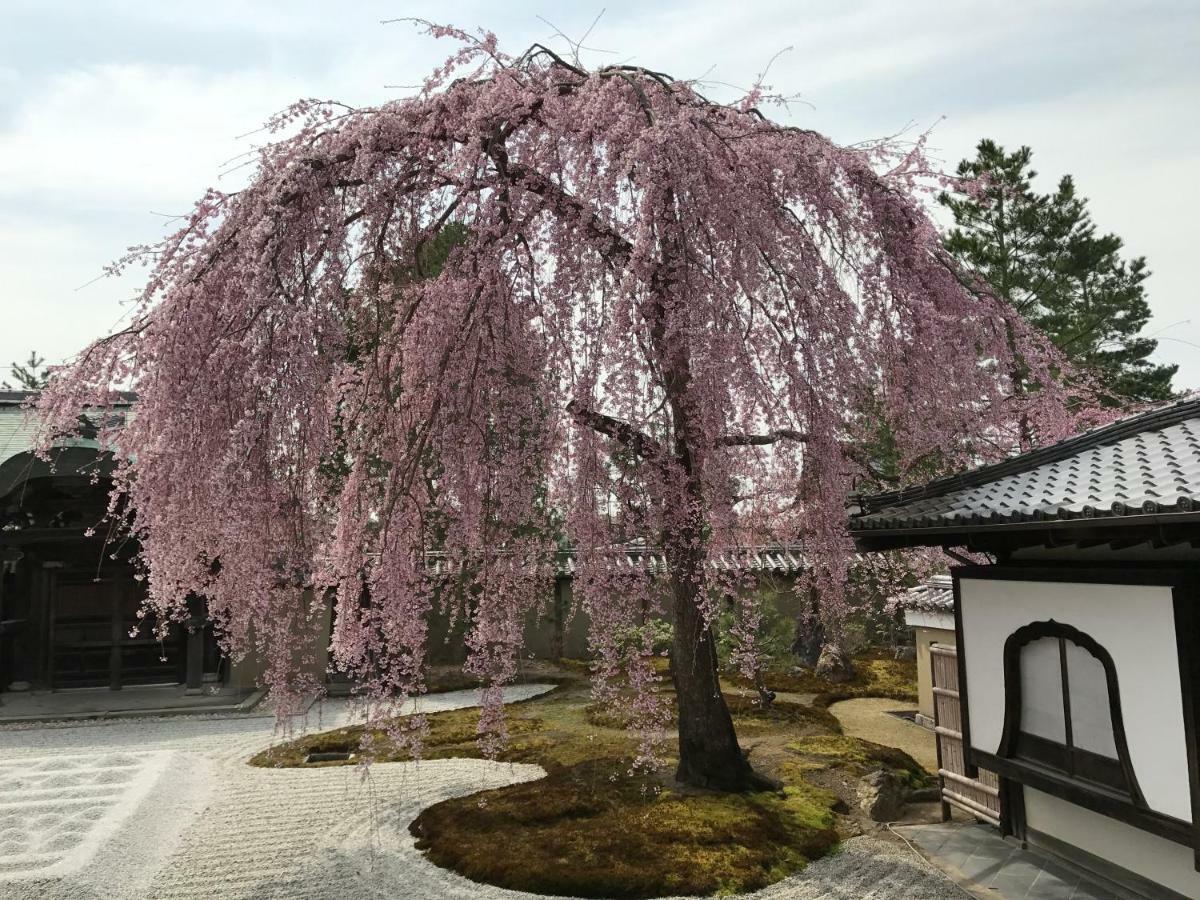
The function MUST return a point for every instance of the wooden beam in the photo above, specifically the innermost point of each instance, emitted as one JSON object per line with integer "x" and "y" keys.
{"x": 116, "y": 626}
{"x": 194, "y": 678}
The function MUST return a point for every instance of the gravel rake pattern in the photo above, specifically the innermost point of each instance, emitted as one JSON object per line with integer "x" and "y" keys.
{"x": 198, "y": 822}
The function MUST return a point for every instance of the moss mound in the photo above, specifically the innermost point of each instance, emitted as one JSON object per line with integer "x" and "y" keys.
{"x": 552, "y": 730}
{"x": 749, "y": 716}
{"x": 877, "y": 674}
{"x": 858, "y": 757}
{"x": 451, "y": 734}
{"x": 590, "y": 830}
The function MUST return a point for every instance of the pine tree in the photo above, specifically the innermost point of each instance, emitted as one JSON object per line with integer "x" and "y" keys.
{"x": 1043, "y": 254}
{"x": 31, "y": 376}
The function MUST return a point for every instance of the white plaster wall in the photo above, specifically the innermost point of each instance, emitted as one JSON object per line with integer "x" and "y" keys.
{"x": 923, "y": 637}
{"x": 924, "y": 618}
{"x": 1157, "y": 859}
{"x": 1135, "y": 623}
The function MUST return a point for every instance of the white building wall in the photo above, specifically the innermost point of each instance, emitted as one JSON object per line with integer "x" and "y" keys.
{"x": 1161, "y": 861}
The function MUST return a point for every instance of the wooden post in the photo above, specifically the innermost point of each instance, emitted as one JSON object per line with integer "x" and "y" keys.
{"x": 116, "y": 626}
{"x": 49, "y": 588}
{"x": 195, "y": 655}
{"x": 3, "y": 580}
{"x": 558, "y": 642}
{"x": 937, "y": 738}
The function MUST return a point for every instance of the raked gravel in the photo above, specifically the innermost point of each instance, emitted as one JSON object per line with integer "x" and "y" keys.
{"x": 168, "y": 808}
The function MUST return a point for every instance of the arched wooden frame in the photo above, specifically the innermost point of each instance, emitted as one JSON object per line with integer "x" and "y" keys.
{"x": 1184, "y": 584}
{"x": 1010, "y": 737}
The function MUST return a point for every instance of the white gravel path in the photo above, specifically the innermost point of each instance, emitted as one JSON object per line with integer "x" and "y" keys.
{"x": 168, "y": 808}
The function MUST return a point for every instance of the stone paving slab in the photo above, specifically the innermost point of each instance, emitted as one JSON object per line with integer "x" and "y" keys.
{"x": 977, "y": 855}
{"x": 130, "y": 702}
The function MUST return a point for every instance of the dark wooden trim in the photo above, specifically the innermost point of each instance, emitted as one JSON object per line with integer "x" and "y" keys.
{"x": 1011, "y": 736}
{"x": 1068, "y": 728}
{"x": 1094, "y": 797}
{"x": 1012, "y": 809}
{"x": 1150, "y": 574}
{"x": 1075, "y": 761}
{"x": 1158, "y": 528}
{"x": 1187, "y": 647}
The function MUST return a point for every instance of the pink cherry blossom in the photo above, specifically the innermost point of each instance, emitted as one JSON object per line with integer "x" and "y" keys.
{"x": 666, "y": 318}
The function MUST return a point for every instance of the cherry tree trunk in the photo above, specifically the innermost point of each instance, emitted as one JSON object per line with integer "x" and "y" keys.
{"x": 709, "y": 755}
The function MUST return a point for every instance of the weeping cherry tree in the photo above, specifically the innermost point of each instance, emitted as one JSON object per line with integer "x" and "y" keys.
{"x": 660, "y": 314}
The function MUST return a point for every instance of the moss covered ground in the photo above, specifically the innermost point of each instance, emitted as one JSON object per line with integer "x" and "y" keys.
{"x": 877, "y": 674}
{"x": 595, "y": 828}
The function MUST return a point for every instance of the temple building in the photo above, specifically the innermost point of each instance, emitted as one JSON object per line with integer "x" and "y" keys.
{"x": 1068, "y": 703}
{"x": 69, "y": 599}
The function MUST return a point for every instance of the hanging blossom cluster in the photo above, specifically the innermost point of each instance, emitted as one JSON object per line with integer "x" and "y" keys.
{"x": 425, "y": 327}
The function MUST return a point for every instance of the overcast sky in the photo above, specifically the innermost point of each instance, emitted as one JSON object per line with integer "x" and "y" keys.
{"x": 114, "y": 114}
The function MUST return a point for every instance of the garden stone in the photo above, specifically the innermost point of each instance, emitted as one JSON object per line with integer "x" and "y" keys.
{"x": 835, "y": 665}
{"x": 881, "y": 795}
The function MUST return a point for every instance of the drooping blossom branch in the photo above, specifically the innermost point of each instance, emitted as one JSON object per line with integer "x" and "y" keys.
{"x": 399, "y": 337}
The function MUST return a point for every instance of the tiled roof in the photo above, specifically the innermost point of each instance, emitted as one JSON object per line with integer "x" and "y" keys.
{"x": 778, "y": 560}
{"x": 935, "y": 595}
{"x": 19, "y": 426}
{"x": 1144, "y": 464}
{"x": 21, "y": 398}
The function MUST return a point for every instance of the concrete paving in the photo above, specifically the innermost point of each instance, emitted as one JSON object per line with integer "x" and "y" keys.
{"x": 976, "y": 856}
{"x": 99, "y": 703}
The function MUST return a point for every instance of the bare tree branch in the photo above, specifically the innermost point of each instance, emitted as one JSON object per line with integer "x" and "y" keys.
{"x": 617, "y": 429}
{"x": 761, "y": 440}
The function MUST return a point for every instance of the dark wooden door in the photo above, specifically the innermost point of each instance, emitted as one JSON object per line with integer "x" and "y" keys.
{"x": 98, "y": 640}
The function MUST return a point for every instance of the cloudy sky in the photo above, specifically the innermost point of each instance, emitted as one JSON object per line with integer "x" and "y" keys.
{"x": 114, "y": 115}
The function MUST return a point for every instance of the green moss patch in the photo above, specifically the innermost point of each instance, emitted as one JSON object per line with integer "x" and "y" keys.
{"x": 592, "y": 831}
{"x": 452, "y": 734}
{"x": 858, "y": 757}
{"x": 877, "y": 674}
{"x": 750, "y": 716}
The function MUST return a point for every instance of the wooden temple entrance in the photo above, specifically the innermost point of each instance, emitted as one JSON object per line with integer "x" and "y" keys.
{"x": 95, "y": 639}
{"x": 979, "y": 796}
{"x": 69, "y": 598}
{"x": 62, "y": 627}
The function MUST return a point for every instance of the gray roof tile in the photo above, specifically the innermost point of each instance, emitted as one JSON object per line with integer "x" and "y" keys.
{"x": 934, "y": 595}
{"x": 1146, "y": 463}
{"x": 786, "y": 559}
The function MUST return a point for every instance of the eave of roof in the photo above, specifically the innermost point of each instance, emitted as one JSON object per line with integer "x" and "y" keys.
{"x": 1142, "y": 472}
{"x": 1152, "y": 420}
{"x": 21, "y": 398}
{"x": 935, "y": 594}
{"x": 1166, "y": 528}
{"x": 787, "y": 559}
